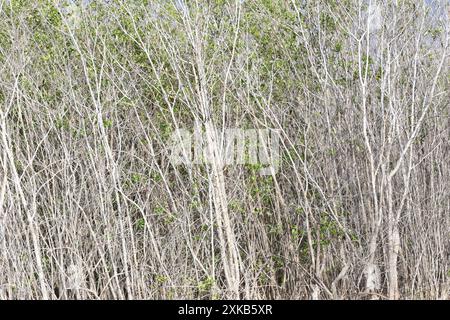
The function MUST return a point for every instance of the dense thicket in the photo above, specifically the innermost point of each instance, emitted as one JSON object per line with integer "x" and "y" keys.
{"x": 90, "y": 206}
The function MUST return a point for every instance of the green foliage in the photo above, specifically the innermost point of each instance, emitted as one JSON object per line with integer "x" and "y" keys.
{"x": 327, "y": 22}
{"x": 107, "y": 123}
{"x": 296, "y": 233}
{"x": 205, "y": 285}
{"x": 159, "y": 210}
{"x": 155, "y": 176}
{"x": 237, "y": 206}
{"x": 140, "y": 223}
{"x": 435, "y": 33}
